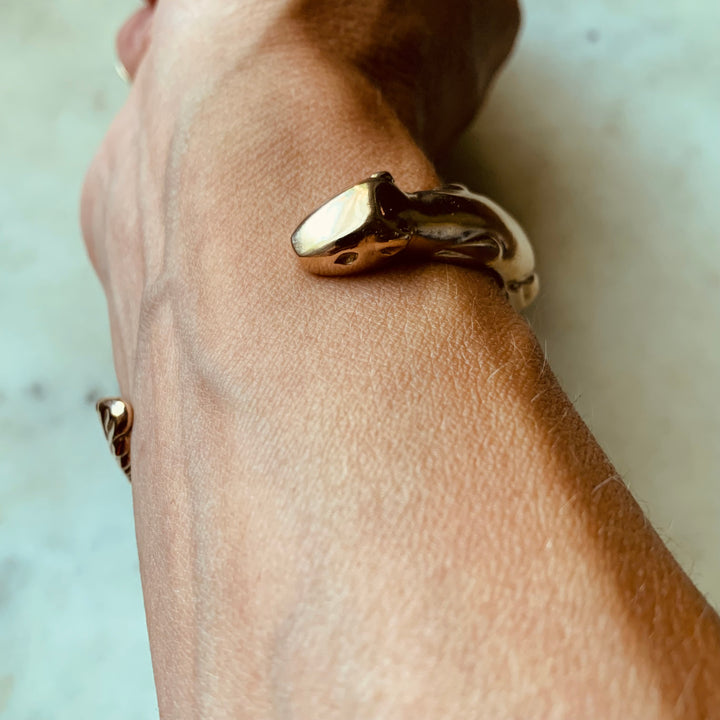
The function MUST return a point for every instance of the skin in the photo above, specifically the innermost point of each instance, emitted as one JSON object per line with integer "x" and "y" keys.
{"x": 354, "y": 497}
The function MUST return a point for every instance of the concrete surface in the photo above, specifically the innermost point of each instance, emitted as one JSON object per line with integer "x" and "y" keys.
{"x": 602, "y": 136}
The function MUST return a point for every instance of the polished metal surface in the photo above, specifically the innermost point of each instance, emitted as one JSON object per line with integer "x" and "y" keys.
{"x": 369, "y": 223}
{"x": 116, "y": 417}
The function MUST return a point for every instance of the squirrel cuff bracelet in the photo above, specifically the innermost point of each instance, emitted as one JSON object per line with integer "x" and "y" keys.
{"x": 373, "y": 221}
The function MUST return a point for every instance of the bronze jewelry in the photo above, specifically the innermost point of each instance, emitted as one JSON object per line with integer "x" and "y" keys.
{"x": 116, "y": 417}
{"x": 122, "y": 73}
{"x": 373, "y": 221}
{"x": 367, "y": 224}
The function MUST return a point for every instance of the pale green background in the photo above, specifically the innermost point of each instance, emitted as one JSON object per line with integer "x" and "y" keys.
{"x": 602, "y": 137}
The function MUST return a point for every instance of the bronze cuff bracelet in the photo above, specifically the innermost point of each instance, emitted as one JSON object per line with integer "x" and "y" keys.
{"x": 373, "y": 221}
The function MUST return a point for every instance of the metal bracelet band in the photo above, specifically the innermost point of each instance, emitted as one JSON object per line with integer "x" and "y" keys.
{"x": 373, "y": 221}
{"x": 116, "y": 418}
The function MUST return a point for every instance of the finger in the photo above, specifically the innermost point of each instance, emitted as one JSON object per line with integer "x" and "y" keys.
{"x": 133, "y": 39}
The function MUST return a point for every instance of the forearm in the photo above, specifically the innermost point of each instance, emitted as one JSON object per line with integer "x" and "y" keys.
{"x": 368, "y": 495}
{"x": 360, "y": 496}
